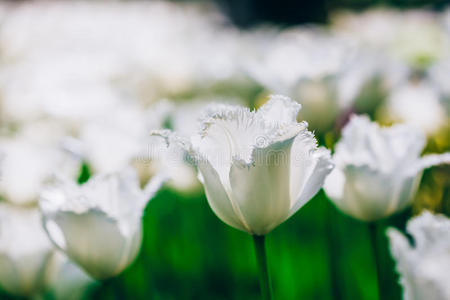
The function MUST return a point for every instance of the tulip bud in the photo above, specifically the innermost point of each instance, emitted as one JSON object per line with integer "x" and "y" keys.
{"x": 377, "y": 169}
{"x": 423, "y": 267}
{"x": 25, "y": 251}
{"x": 98, "y": 225}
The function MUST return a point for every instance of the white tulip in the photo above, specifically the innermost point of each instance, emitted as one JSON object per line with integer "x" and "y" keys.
{"x": 258, "y": 168}
{"x": 310, "y": 53}
{"x": 418, "y": 105}
{"x": 67, "y": 281}
{"x": 123, "y": 127}
{"x": 98, "y": 225}
{"x": 171, "y": 161}
{"x": 325, "y": 74}
{"x": 25, "y": 251}
{"x": 423, "y": 267}
{"x": 414, "y": 37}
{"x": 420, "y": 40}
{"x": 127, "y": 127}
{"x": 26, "y": 164}
{"x": 377, "y": 169}
{"x": 376, "y": 27}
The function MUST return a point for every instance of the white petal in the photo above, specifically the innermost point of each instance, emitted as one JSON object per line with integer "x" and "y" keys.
{"x": 233, "y": 132}
{"x": 334, "y": 184}
{"x": 261, "y": 190}
{"x": 311, "y": 179}
{"x": 304, "y": 164}
{"x": 279, "y": 109}
{"x": 153, "y": 186}
{"x": 217, "y": 149}
{"x": 429, "y": 230}
{"x": 218, "y": 198}
{"x": 366, "y": 143}
{"x": 94, "y": 241}
{"x": 117, "y": 195}
{"x": 398, "y": 241}
{"x": 428, "y": 161}
{"x": 370, "y": 194}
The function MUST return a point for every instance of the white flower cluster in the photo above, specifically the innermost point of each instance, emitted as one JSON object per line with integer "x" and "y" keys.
{"x": 84, "y": 84}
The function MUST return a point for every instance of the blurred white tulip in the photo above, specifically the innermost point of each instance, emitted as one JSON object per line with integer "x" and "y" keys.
{"x": 112, "y": 141}
{"x": 377, "y": 169}
{"x": 98, "y": 225}
{"x": 118, "y": 138}
{"x": 417, "y": 104}
{"x": 413, "y": 37}
{"x": 25, "y": 251}
{"x": 423, "y": 266}
{"x": 67, "y": 280}
{"x": 325, "y": 72}
{"x": 420, "y": 40}
{"x": 172, "y": 161}
{"x": 73, "y": 97}
{"x": 26, "y": 164}
{"x": 373, "y": 28}
{"x": 258, "y": 168}
{"x": 310, "y": 53}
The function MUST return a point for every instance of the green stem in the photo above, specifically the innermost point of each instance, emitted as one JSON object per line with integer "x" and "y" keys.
{"x": 261, "y": 257}
{"x": 333, "y": 251}
{"x": 376, "y": 256}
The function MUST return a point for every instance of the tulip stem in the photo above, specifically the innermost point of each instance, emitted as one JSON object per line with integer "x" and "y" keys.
{"x": 376, "y": 256}
{"x": 261, "y": 258}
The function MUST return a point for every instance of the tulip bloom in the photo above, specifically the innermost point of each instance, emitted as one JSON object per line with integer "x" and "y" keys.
{"x": 98, "y": 224}
{"x": 25, "y": 251}
{"x": 258, "y": 168}
{"x": 378, "y": 170}
{"x": 423, "y": 267}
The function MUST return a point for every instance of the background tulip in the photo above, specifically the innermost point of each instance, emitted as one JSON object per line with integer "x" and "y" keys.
{"x": 25, "y": 251}
{"x": 423, "y": 266}
{"x": 98, "y": 224}
{"x": 377, "y": 169}
{"x": 417, "y": 104}
{"x": 27, "y": 161}
{"x": 67, "y": 280}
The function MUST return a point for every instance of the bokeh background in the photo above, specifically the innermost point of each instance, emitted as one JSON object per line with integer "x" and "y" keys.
{"x": 187, "y": 252}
